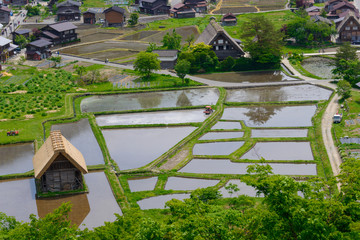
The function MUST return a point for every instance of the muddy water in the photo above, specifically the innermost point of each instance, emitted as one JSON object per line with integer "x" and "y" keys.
{"x": 134, "y": 148}
{"x": 302, "y": 92}
{"x": 159, "y": 201}
{"x": 227, "y": 125}
{"x": 272, "y": 116}
{"x": 221, "y": 135}
{"x": 179, "y": 183}
{"x": 280, "y": 151}
{"x": 243, "y": 190}
{"x": 217, "y": 148}
{"x": 162, "y": 117}
{"x": 16, "y": 158}
{"x": 278, "y": 133}
{"x": 212, "y": 166}
{"x": 91, "y": 209}
{"x": 248, "y": 77}
{"x": 142, "y": 184}
{"x": 17, "y": 198}
{"x": 135, "y": 101}
{"x": 81, "y": 136}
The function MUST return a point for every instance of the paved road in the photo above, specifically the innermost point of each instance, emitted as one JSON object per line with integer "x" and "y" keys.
{"x": 14, "y": 23}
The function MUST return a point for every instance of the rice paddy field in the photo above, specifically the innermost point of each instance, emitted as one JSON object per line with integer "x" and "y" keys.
{"x": 246, "y": 6}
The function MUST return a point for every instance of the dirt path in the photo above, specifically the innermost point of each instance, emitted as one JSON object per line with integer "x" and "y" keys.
{"x": 175, "y": 160}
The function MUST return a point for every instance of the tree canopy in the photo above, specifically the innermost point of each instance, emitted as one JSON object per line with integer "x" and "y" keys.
{"x": 172, "y": 41}
{"x": 146, "y": 62}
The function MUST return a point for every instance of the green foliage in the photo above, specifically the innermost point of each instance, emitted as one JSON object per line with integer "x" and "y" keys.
{"x": 33, "y": 10}
{"x": 262, "y": 41}
{"x": 201, "y": 57}
{"x": 232, "y": 188}
{"x": 346, "y": 62}
{"x": 21, "y": 41}
{"x": 227, "y": 64}
{"x": 152, "y": 46}
{"x": 343, "y": 89}
{"x": 182, "y": 68}
{"x": 133, "y": 19}
{"x": 205, "y": 194}
{"x": 296, "y": 58}
{"x": 146, "y": 62}
{"x": 172, "y": 41}
{"x": 55, "y": 60}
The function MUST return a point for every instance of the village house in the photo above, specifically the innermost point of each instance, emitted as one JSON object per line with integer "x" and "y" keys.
{"x": 114, "y": 16}
{"x": 16, "y": 2}
{"x": 58, "y": 165}
{"x": 331, "y": 3}
{"x": 349, "y": 29}
{"x": 340, "y": 8}
{"x": 229, "y": 19}
{"x": 200, "y": 6}
{"x": 89, "y": 17}
{"x": 59, "y": 33}
{"x": 68, "y": 11}
{"x": 4, "y": 14}
{"x": 21, "y": 32}
{"x": 317, "y": 18}
{"x": 312, "y": 11}
{"x": 223, "y": 45}
{"x": 38, "y": 50}
{"x": 154, "y": 7}
{"x": 168, "y": 58}
{"x": 6, "y": 49}
{"x": 180, "y": 10}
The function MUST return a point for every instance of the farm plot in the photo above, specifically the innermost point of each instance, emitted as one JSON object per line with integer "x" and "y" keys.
{"x": 243, "y": 6}
{"x": 111, "y": 54}
{"x": 184, "y": 32}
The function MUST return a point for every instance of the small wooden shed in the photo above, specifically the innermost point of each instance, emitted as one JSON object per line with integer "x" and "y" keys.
{"x": 58, "y": 165}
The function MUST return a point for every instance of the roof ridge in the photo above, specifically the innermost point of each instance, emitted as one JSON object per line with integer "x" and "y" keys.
{"x": 57, "y": 141}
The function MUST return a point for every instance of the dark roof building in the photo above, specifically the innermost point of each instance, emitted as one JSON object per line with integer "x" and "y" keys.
{"x": 154, "y": 7}
{"x": 23, "y": 32}
{"x": 340, "y": 8}
{"x": 68, "y": 11}
{"x": 317, "y": 18}
{"x": 89, "y": 16}
{"x": 311, "y": 11}
{"x": 200, "y": 6}
{"x": 349, "y": 29}
{"x": 60, "y": 33}
{"x": 229, "y": 19}
{"x": 180, "y": 10}
{"x": 4, "y": 14}
{"x": 168, "y": 58}
{"x": 39, "y": 49}
{"x": 114, "y": 16}
{"x": 6, "y": 49}
{"x": 223, "y": 45}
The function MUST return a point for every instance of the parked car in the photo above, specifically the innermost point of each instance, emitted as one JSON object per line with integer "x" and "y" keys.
{"x": 337, "y": 118}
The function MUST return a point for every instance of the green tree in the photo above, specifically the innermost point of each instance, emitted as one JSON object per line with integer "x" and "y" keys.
{"x": 201, "y": 57}
{"x": 262, "y": 40}
{"x": 80, "y": 70}
{"x": 21, "y": 41}
{"x": 205, "y": 194}
{"x": 345, "y": 52}
{"x": 227, "y": 64}
{"x": 348, "y": 70}
{"x": 190, "y": 39}
{"x": 172, "y": 41}
{"x": 133, "y": 19}
{"x": 182, "y": 68}
{"x": 232, "y": 188}
{"x": 33, "y": 10}
{"x": 343, "y": 89}
{"x": 152, "y": 46}
{"x": 55, "y": 60}
{"x": 146, "y": 62}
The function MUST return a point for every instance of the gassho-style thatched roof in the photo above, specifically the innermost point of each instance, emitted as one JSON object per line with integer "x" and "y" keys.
{"x": 57, "y": 144}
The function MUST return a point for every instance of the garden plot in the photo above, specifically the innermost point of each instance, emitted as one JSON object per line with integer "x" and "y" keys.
{"x": 280, "y": 151}
{"x": 162, "y": 117}
{"x": 16, "y": 158}
{"x": 184, "y": 184}
{"x": 244, "y": 189}
{"x": 242, "y": 6}
{"x": 137, "y": 101}
{"x": 134, "y": 148}
{"x": 304, "y": 92}
{"x": 142, "y": 184}
{"x": 17, "y": 198}
{"x": 216, "y": 148}
{"x": 235, "y": 9}
{"x": 278, "y": 133}
{"x": 81, "y": 136}
{"x": 213, "y": 166}
{"x": 319, "y": 66}
{"x": 221, "y": 135}
{"x": 226, "y": 126}
{"x": 92, "y": 209}
{"x": 248, "y": 77}
{"x": 272, "y": 116}
{"x": 159, "y": 201}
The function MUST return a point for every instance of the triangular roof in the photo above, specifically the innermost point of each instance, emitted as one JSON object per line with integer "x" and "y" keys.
{"x": 342, "y": 4}
{"x": 62, "y": 26}
{"x": 4, "y": 41}
{"x": 228, "y": 15}
{"x": 69, "y": 3}
{"x": 116, "y": 9}
{"x": 212, "y": 30}
{"x": 55, "y": 145}
{"x": 346, "y": 19}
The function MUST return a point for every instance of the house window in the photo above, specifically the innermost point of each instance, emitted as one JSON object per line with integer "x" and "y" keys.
{"x": 355, "y": 28}
{"x": 216, "y": 47}
{"x": 220, "y": 41}
{"x": 351, "y": 22}
{"x": 221, "y": 47}
{"x": 347, "y": 28}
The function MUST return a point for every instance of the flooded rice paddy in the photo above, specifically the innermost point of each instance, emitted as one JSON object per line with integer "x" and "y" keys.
{"x": 159, "y": 201}
{"x": 319, "y": 66}
{"x": 243, "y": 189}
{"x": 272, "y": 116}
{"x": 16, "y": 158}
{"x": 142, "y": 184}
{"x": 134, "y": 148}
{"x": 216, "y": 148}
{"x": 221, "y": 135}
{"x": 278, "y": 133}
{"x": 136, "y": 101}
{"x": 248, "y": 77}
{"x": 280, "y": 151}
{"x": 303, "y": 92}
{"x": 161, "y": 117}
{"x": 226, "y": 125}
{"x": 81, "y": 136}
{"x": 17, "y": 198}
{"x": 213, "y": 166}
{"x": 180, "y": 183}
